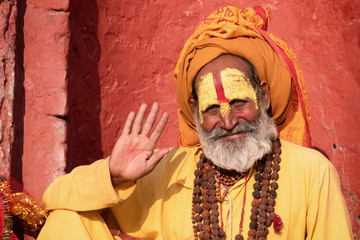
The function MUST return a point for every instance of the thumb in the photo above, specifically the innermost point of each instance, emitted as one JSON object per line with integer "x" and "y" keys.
{"x": 156, "y": 157}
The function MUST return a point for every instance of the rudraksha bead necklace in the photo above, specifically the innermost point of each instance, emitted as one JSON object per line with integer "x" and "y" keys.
{"x": 207, "y": 194}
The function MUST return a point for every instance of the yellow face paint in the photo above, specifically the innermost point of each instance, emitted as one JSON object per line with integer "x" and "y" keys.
{"x": 221, "y": 89}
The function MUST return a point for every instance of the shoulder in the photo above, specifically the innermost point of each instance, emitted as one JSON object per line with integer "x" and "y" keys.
{"x": 307, "y": 159}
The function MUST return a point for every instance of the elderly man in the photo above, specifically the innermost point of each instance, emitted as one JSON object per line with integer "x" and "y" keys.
{"x": 239, "y": 91}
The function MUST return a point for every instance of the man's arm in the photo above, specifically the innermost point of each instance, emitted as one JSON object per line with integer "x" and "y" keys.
{"x": 327, "y": 215}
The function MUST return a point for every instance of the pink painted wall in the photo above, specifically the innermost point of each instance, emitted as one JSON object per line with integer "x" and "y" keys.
{"x": 137, "y": 45}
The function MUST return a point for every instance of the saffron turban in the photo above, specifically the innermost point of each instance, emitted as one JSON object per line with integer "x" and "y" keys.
{"x": 243, "y": 32}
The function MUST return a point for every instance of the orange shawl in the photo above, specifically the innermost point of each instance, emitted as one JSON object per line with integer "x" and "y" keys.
{"x": 242, "y": 32}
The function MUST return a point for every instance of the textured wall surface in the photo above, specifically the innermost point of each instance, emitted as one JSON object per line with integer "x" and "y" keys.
{"x": 8, "y": 13}
{"x": 46, "y": 39}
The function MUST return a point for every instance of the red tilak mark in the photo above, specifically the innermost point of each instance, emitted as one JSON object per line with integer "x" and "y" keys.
{"x": 219, "y": 89}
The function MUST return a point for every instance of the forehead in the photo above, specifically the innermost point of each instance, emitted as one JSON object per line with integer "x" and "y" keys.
{"x": 221, "y": 63}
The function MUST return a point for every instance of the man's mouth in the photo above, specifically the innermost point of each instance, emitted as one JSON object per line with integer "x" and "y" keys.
{"x": 232, "y": 136}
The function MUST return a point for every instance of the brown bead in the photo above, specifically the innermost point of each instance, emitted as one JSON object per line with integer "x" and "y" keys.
{"x": 197, "y": 181}
{"x": 215, "y": 226}
{"x": 253, "y": 217}
{"x": 268, "y": 222}
{"x": 253, "y": 225}
{"x": 199, "y": 227}
{"x": 212, "y": 199}
{"x": 276, "y": 167}
{"x": 272, "y": 215}
{"x": 197, "y": 190}
{"x": 251, "y": 238}
{"x": 206, "y": 228}
{"x": 263, "y": 200}
{"x": 214, "y": 220}
{"x": 212, "y": 192}
{"x": 261, "y": 227}
{"x": 239, "y": 237}
{"x": 263, "y": 214}
{"x": 214, "y": 206}
{"x": 198, "y": 218}
{"x": 198, "y": 173}
{"x": 196, "y": 199}
{"x": 206, "y": 206}
{"x": 258, "y": 177}
{"x": 257, "y": 186}
{"x": 261, "y": 220}
{"x": 277, "y": 151}
{"x": 214, "y": 214}
{"x": 274, "y": 185}
{"x": 222, "y": 234}
{"x": 206, "y": 222}
{"x": 268, "y": 162}
{"x": 215, "y": 233}
{"x": 261, "y": 238}
{"x": 270, "y": 208}
{"x": 273, "y": 193}
{"x": 267, "y": 169}
{"x": 198, "y": 209}
{"x": 252, "y": 233}
{"x": 266, "y": 175}
{"x": 271, "y": 201}
{"x": 205, "y": 214}
{"x": 265, "y": 182}
{"x": 255, "y": 203}
{"x": 277, "y": 159}
{"x": 254, "y": 210}
{"x": 256, "y": 194}
{"x": 261, "y": 233}
{"x": 263, "y": 194}
{"x": 276, "y": 143}
{"x": 274, "y": 176}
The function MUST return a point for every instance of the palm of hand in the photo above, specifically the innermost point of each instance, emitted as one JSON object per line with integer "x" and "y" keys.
{"x": 132, "y": 156}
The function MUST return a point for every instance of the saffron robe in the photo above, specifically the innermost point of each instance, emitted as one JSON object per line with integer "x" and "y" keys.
{"x": 158, "y": 206}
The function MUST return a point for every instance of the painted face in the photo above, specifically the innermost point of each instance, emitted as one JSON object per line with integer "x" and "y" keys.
{"x": 221, "y": 88}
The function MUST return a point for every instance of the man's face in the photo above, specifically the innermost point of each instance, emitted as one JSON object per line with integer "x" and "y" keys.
{"x": 225, "y": 95}
{"x": 233, "y": 126}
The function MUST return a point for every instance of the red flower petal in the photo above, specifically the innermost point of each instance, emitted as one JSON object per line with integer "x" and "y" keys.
{"x": 277, "y": 223}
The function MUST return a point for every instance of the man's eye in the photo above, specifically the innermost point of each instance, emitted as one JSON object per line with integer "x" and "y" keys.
{"x": 238, "y": 103}
{"x": 213, "y": 109}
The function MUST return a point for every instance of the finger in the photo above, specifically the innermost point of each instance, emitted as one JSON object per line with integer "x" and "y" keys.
{"x": 150, "y": 119}
{"x": 128, "y": 123}
{"x": 155, "y": 158}
{"x": 139, "y": 119}
{"x": 159, "y": 128}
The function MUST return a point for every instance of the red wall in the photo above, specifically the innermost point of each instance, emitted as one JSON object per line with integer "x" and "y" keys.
{"x": 83, "y": 75}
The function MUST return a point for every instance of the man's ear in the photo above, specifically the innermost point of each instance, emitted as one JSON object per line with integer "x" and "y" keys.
{"x": 192, "y": 103}
{"x": 265, "y": 94}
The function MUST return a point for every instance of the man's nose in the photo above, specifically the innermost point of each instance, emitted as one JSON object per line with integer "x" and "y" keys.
{"x": 228, "y": 121}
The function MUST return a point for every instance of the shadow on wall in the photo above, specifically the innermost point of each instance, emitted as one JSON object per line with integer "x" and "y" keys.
{"x": 84, "y": 101}
{"x": 18, "y": 107}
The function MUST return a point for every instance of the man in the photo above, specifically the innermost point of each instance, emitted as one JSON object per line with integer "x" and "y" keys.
{"x": 241, "y": 182}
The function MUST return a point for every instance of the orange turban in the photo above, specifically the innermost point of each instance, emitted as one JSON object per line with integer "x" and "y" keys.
{"x": 242, "y": 32}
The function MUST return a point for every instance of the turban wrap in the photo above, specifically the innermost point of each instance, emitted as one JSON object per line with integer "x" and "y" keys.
{"x": 243, "y": 32}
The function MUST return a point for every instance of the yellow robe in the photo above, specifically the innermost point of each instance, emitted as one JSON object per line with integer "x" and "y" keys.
{"x": 309, "y": 200}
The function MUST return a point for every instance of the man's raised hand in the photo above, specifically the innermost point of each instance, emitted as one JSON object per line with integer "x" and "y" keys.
{"x": 133, "y": 155}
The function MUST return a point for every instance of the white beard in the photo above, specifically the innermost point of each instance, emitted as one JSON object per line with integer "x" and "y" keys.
{"x": 239, "y": 154}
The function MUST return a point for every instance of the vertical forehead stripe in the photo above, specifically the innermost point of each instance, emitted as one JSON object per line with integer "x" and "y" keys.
{"x": 219, "y": 88}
